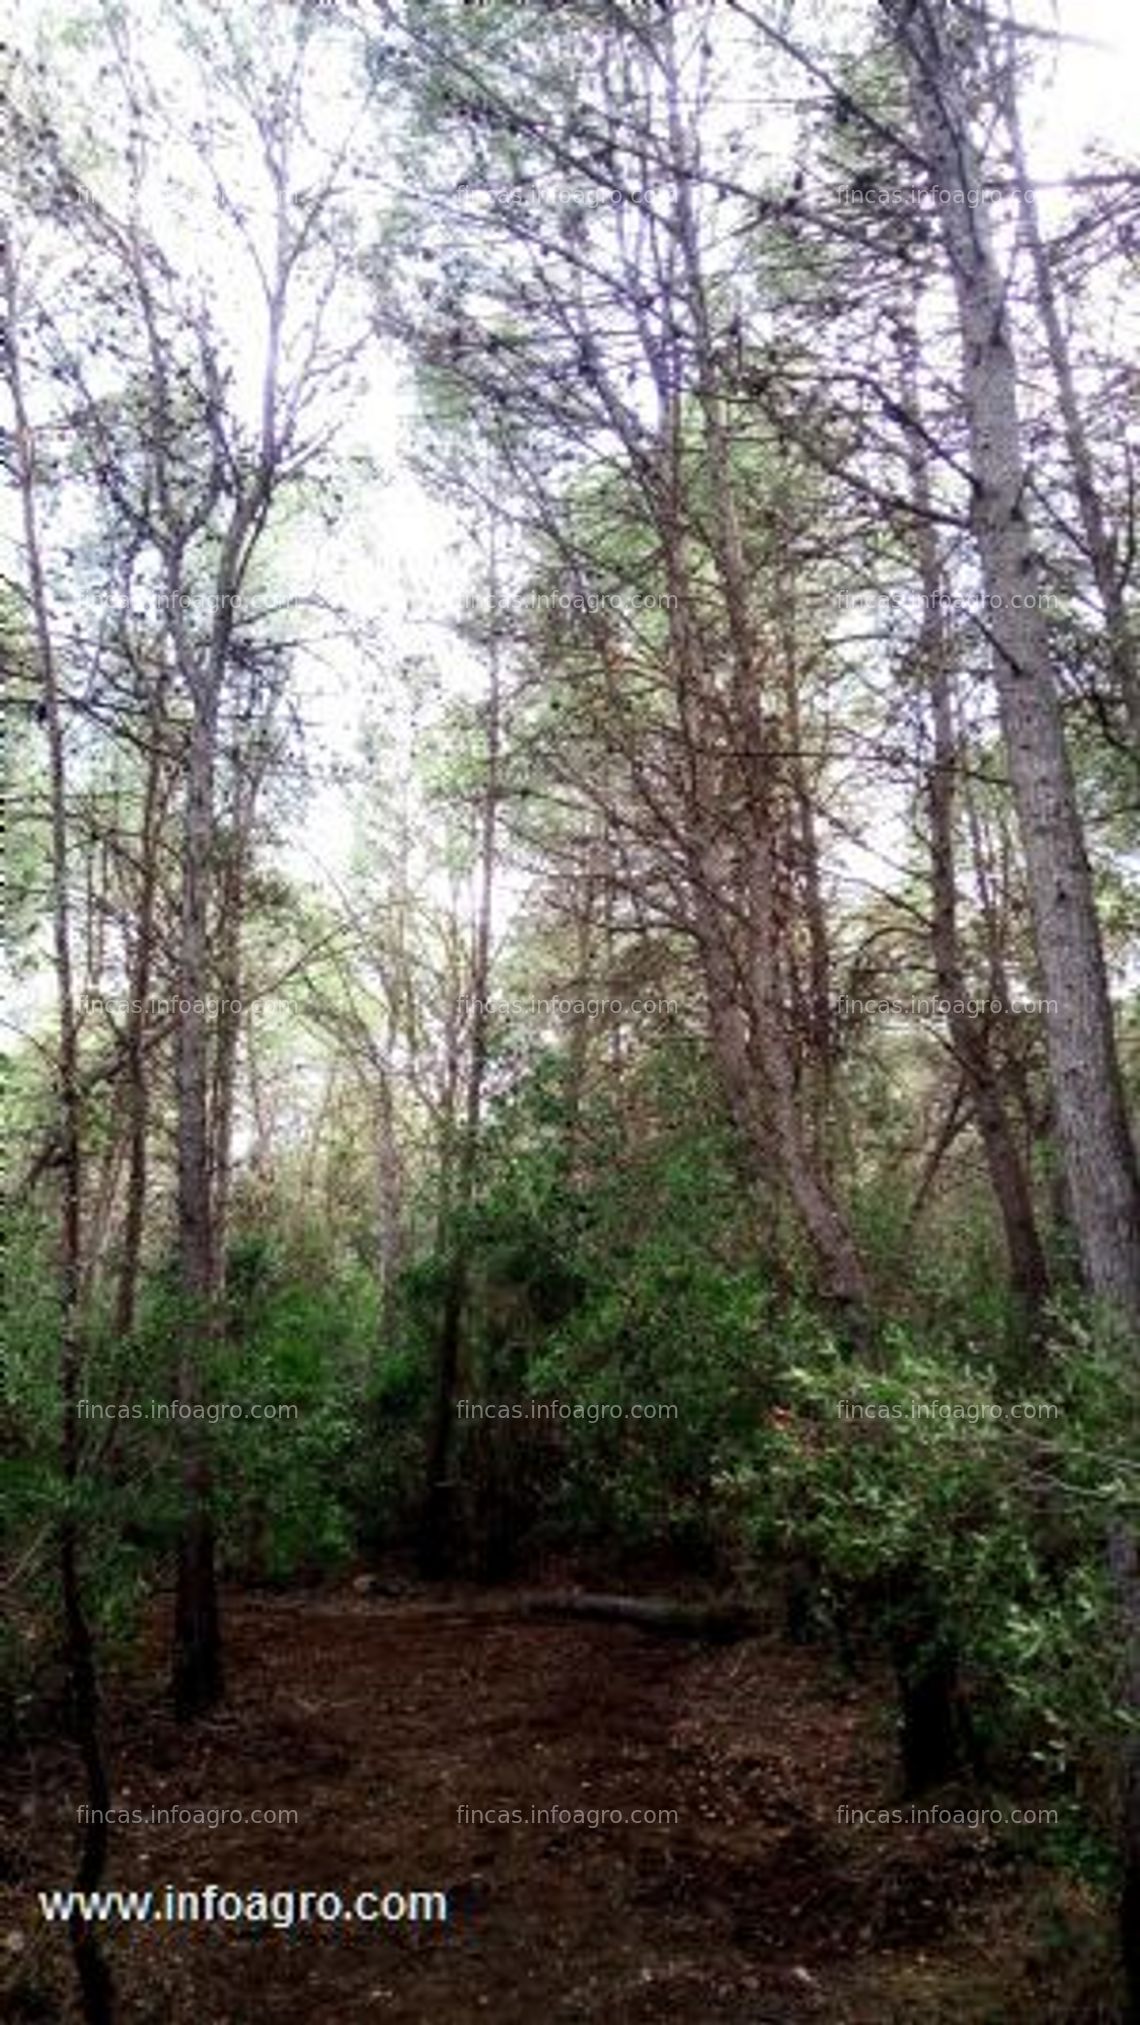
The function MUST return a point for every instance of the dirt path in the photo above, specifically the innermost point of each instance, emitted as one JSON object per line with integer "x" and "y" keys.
{"x": 378, "y": 1722}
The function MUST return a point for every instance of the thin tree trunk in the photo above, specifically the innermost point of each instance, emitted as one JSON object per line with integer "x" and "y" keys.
{"x": 135, "y": 1072}
{"x": 93, "y": 1974}
{"x": 1092, "y": 1120}
{"x": 228, "y": 1037}
{"x": 758, "y": 1083}
{"x": 389, "y": 1238}
{"x": 819, "y": 1211}
{"x": 103, "y": 1195}
{"x": 578, "y": 1045}
{"x": 197, "y": 1671}
{"x": 746, "y": 1023}
{"x": 819, "y": 1033}
{"x": 435, "y": 1541}
{"x": 1008, "y": 1178}
{"x": 1096, "y": 1142}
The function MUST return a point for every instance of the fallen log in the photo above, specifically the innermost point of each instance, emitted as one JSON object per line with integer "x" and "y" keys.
{"x": 721, "y": 1623}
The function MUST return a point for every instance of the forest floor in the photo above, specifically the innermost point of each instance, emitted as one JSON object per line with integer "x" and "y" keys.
{"x": 378, "y": 1719}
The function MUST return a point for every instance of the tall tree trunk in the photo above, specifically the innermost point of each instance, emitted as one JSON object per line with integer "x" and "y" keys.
{"x": 435, "y": 1546}
{"x": 389, "y": 1193}
{"x": 1092, "y": 1120}
{"x": 819, "y": 1210}
{"x": 578, "y": 1045}
{"x": 818, "y": 1018}
{"x": 197, "y": 1670}
{"x": 228, "y": 1034}
{"x": 750, "y": 1043}
{"x": 93, "y": 1974}
{"x": 197, "y": 1679}
{"x": 1096, "y": 1143}
{"x": 251, "y": 768}
{"x": 137, "y": 1089}
{"x": 969, "y": 1035}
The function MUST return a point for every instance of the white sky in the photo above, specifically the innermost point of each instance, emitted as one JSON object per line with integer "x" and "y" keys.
{"x": 1095, "y": 101}
{"x": 398, "y": 559}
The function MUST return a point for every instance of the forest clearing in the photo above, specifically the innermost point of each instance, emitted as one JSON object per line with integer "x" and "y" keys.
{"x": 757, "y": 1903}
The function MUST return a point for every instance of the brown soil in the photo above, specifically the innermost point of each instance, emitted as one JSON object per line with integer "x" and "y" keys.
{"x": 378, "y": 1720}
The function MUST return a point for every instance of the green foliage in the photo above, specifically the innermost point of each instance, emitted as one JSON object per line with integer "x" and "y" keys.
{"x": 304, "y": 1344}
{"x": 300, "y": 1332}
{"x": 996, "y": 1521}
{"x": 607, "y": 1276}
